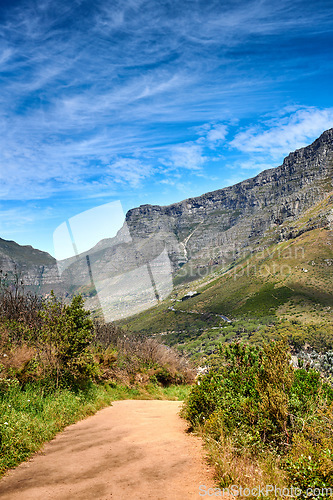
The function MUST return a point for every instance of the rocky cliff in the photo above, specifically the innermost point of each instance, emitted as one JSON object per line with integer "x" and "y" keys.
{"x": 37, "y": 268}
{"x": 228, "y": 220}
{"x": 212, "y": 229}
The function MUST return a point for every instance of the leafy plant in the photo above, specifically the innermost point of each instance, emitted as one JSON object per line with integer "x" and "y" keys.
{"x": 66, "y": 333}
{"x": 257, "y": 405}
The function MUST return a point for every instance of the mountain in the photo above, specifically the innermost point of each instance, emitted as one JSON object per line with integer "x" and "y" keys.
{"x": 291, "y": 278}
{"x": 216, "y": 229}
{"x": 199, "y": 242}
{"x": 259, "y": 250}
{"x": 35, "y": 266}
{"x": 231, "y": 219}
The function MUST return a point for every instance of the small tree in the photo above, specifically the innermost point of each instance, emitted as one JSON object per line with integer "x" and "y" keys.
{"x": 66, "y": 333}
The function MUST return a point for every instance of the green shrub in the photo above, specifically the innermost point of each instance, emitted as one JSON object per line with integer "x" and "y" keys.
{"x": 204, "y": 398}
{"x": 310, "y": 460}
{"x": 258, "y": 404}
{"x": 274, "y": 381}
{"x": 65, "y": 335}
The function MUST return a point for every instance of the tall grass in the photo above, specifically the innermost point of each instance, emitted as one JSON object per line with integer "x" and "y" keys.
{"x": 32, "y": 416}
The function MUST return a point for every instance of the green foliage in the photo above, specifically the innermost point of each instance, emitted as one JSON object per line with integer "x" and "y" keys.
{"x": 318, "y": 336}
{"x": 274, "y": 381}
{"x": 244, "y": 390}
{"x": 310, "y": 460}
{"x": 265, "y": 302}
{"x": 259, "y": 404}
{"x": 66, "y": 333}
{"x": 64, "y": 345}
{"x": 306, "y": 393}
{"x": 163, "y": 376}
{"x": 204, "y": 398}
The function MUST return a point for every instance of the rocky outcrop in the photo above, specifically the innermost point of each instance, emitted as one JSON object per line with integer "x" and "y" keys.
{"x": 239, "y": 216}
{"x": 32, "y": 264}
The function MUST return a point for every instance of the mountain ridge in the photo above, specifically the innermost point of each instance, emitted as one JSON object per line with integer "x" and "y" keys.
{"x": 240, "y": 213}
{"x": 289, "y": 159}
{"x": 204, "y": 232}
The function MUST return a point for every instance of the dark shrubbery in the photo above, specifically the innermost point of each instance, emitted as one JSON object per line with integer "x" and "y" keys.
{"x": 141, "y": 355}
{"x": 15, "y": 303}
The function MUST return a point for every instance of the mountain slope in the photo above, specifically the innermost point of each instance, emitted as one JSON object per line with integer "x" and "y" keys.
{"x": 35, "y": 266}
{"x": 205, "y": 234}
{"x": 291, "y": 279}
{"x": 236, "y": 217}
{"x": 215, "y": 228}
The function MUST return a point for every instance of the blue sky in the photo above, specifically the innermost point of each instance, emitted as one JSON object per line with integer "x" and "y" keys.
{"x": 151, "y": 101}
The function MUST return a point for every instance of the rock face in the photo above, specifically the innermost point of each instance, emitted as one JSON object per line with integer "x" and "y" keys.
{"x": 211, "y": 229}
{"x": 38, "y": 269}
{"x": 217, "y": 227}
{"x": 230, "y": 219}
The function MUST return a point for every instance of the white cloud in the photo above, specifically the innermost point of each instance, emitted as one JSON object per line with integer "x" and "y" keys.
{"x": 281, "y": 136}
{"x": 168, "y": 182}
{"x": 189, "y": 156}
{"x": 129, "y": 170}
{"x": 194, "y": 154}
{"x": 217, "y": 134}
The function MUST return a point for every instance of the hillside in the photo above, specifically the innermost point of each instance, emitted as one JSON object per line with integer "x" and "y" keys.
{"x": 281, "y": 270}
{"x": 260, "y": 248}
{"x": 13, "y": 253}
{"x": 37, "y": 268}
{"x": 290, "y": 279}
{"x": 216, "y": 228}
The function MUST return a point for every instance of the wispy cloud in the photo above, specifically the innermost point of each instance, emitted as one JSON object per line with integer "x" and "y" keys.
{"x": 286, "y": 133}
{"x": 85, "y": 83}
{"x": 22, "y": 219}
{"x": 14, "y": 217}
{"x": 97, "y": 97}
{"x": 129, "y": 170}
{"x": 188, "y": 156}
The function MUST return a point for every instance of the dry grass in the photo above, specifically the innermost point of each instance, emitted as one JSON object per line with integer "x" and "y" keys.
{"x": 138, "y": 359}
{"x": 242, "y": 470}
{"x": 16, "y": 359}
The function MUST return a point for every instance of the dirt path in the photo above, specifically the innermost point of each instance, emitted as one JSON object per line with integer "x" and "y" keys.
{"x": 131, "y": 450}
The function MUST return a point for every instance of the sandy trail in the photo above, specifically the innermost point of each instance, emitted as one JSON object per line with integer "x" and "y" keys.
{"x": 131, "y": 450}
